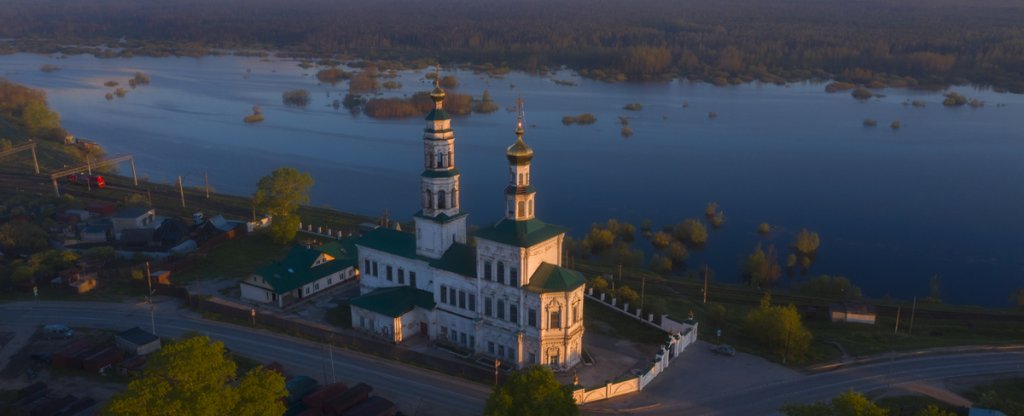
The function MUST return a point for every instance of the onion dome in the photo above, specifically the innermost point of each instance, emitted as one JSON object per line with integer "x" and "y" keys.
{"x": 437, "y": 94}
{"x": 519, "y": 153}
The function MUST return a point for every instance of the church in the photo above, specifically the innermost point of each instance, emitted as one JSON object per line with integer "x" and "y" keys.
{"x": 501, "y": 292}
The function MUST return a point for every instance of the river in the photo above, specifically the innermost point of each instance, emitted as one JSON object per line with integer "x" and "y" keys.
{"x": 942, "y": 195}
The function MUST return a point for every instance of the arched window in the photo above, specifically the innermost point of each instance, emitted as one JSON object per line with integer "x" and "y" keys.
{"x": 440, "y": 200}
{"x": 439, "y": 160}
{"x": 521, "y": 179}
{"x": 430, "y": 159}
{"x": 531, "y": 207}
{"x": 522, "y": 209}
{"x": 429, "y": 203}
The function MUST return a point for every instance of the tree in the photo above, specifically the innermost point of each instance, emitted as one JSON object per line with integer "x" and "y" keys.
{"x": 38, "y": 119}
{"x": 849, "y": 403}
{"x": 691, "y": 231}
{"x": 194, "y": 377}
{"x": 22, "y": 236}
{"x": 933, "y": 410}
{"x": 628, "y": 295}
{"x": 806, "y": 242}
{"x": 599, "y": 283}
{"x": 762, "y": 267}
{"x": 531, "y": 392}
{"x": 779, "y": 329}
{"x": 660, "y": 240}
{"x": 280, "y": 195}
{"x": 661, "y": 264}
{"x": 677, "y": 252}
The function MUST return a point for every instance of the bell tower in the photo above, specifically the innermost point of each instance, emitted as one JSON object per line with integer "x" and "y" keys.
{"x": 440, "y": 221}
{"x": 519, "y": 194}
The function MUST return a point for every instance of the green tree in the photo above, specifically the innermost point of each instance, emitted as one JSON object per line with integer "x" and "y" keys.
{"x": 677, "y": 252}
{"x": 806, "y": 242}
{"x": 628, "y": 295}
{"x": 22, "y": 236}
{"x": 933, "y": 410}
{"x": 691, "y": 231}
{"x": 849, "y": 403}
{"x": 660, "y": 240}
{"x": 599, "y": 239}
{"x": 194, "y": 377}
{"x": 661, "y": 264}
{"x": 531, "y": 392}
{"x": 779, "y": 329}
{"x": 38, "y": 119}
{"x": 762, "y": 267}
{"x": 599, "y": 283}
{"x": 280, "y": 195}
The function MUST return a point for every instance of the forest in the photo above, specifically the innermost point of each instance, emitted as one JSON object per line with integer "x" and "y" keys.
{"x": 905, "y": 43}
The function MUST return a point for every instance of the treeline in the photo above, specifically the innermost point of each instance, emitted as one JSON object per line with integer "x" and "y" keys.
{"x": 906, "y": 43}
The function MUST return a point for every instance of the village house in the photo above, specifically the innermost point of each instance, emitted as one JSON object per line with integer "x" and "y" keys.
{"x": 304, "y": 272}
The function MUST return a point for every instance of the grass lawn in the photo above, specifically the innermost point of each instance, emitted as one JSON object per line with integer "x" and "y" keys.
{"x": 236, "y": 258}
{"x": 860, "y": 339}
{"x": 1006, "y": 395}
{"x": 602, "y": 319}
{"x": 911, "y": 405}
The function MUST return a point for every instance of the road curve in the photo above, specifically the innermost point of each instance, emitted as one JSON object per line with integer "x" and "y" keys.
{"x": 416, "y": 391}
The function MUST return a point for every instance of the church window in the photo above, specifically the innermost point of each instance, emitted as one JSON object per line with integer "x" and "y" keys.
{"x": 472, "y": 302}
{"x": 576, "y": 312}
{"x": 513, "y": 276}
{"x": 431, "y": 160}
{"x": 487, "y": 270}
{"x": 438, "y": 160}
{"x": 513, "y": 313}
{"x": 462, "y": 299}
{"x": 501, "y": 309}
{"x": 520, "y": 179}
{"x": 444, "y": 294}
{"x": 430, "y": 199}
{"x": 531, "y": 317}
{"x": 555, "y": 320}
{"x": 527, "y": 177}
{"x": 390, "y": 273}
{"x": 501, "y": 272}
{"x": 487, "y": 306}
{"x": 401, "y": 276}
{"x": 522, "y": 209}
{"x": 531, "y": 207}
{"x": 440, "y": 200}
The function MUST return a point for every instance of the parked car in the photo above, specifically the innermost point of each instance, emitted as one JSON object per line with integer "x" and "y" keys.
{"x": 57, "y": 331}
{"x": 724, "y": 349}
{"x": 96, "y": 181}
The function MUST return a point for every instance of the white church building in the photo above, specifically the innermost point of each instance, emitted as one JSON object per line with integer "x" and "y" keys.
{"x": 501, "y": 292}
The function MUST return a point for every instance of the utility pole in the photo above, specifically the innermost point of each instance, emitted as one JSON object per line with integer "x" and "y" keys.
{"x": 181, "y": 191}
{"x": 705, "y": 284}
{"x": 912, "y": 310}
{"x": 497, "y": 363}
{"x": 897, "y": 330}
{"x": 206, "y": 178}
{"x": 643, "y": 285}
{"x": 149, "y": 298}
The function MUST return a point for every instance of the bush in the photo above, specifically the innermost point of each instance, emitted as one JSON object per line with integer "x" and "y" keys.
{"x": 806, "y": 242}
{"x": 895, "y": 125}
{"x": 839, "y": 86}
{"x": 764, "y": 228}
{"x": 585, "y": 119}
{"x": 762, "y": 267}
{"x": 862, "y": 93}
{"x": 954, "y": 100}
{"x": 333, "y": 75}
{"x": 633, "y": 107}
{"x": 626, "y": 132}
{"x": 778, "y": 329}
{"x": 711, "y": 209}
{"x": 627, "y": 294}
{"x": 691, "y": 231}
{"x": 599, "y": 284}
{"x": 677, "y": 252}
{"x": 568, "y": 120}
{"x": 297, "y": 98}
{"x": 486, "y": 104}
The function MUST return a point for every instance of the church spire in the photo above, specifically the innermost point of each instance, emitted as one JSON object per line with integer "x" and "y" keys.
{"x": 519, "y": 194}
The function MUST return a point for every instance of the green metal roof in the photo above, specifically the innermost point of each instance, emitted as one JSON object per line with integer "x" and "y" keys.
{"x": 438, "y": 114}
{"x": 551, "y": 278}
{"x": 390, "y": 241}
{"x": 459, "y": 259}
{"x": 440, "y": 218}
{"x": 394, "y": 301}
{"x": 520, "y": 233}
{"x": 296, "y": 269}
{"x": 520, "y": 190}
{"x": 440, "y": 173}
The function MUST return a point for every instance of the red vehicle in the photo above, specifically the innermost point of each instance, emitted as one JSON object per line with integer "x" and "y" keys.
{"x": 87, "y": 179}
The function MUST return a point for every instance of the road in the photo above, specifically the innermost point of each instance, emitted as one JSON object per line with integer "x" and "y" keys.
{"x": 422, "y": 392}
{"x": 416, "y": 391}
{"x": 668, "y": 394}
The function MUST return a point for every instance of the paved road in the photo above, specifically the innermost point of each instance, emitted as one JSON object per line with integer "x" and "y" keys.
{"x": 416, "y": 391}
{"x": 665, "y": 396}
